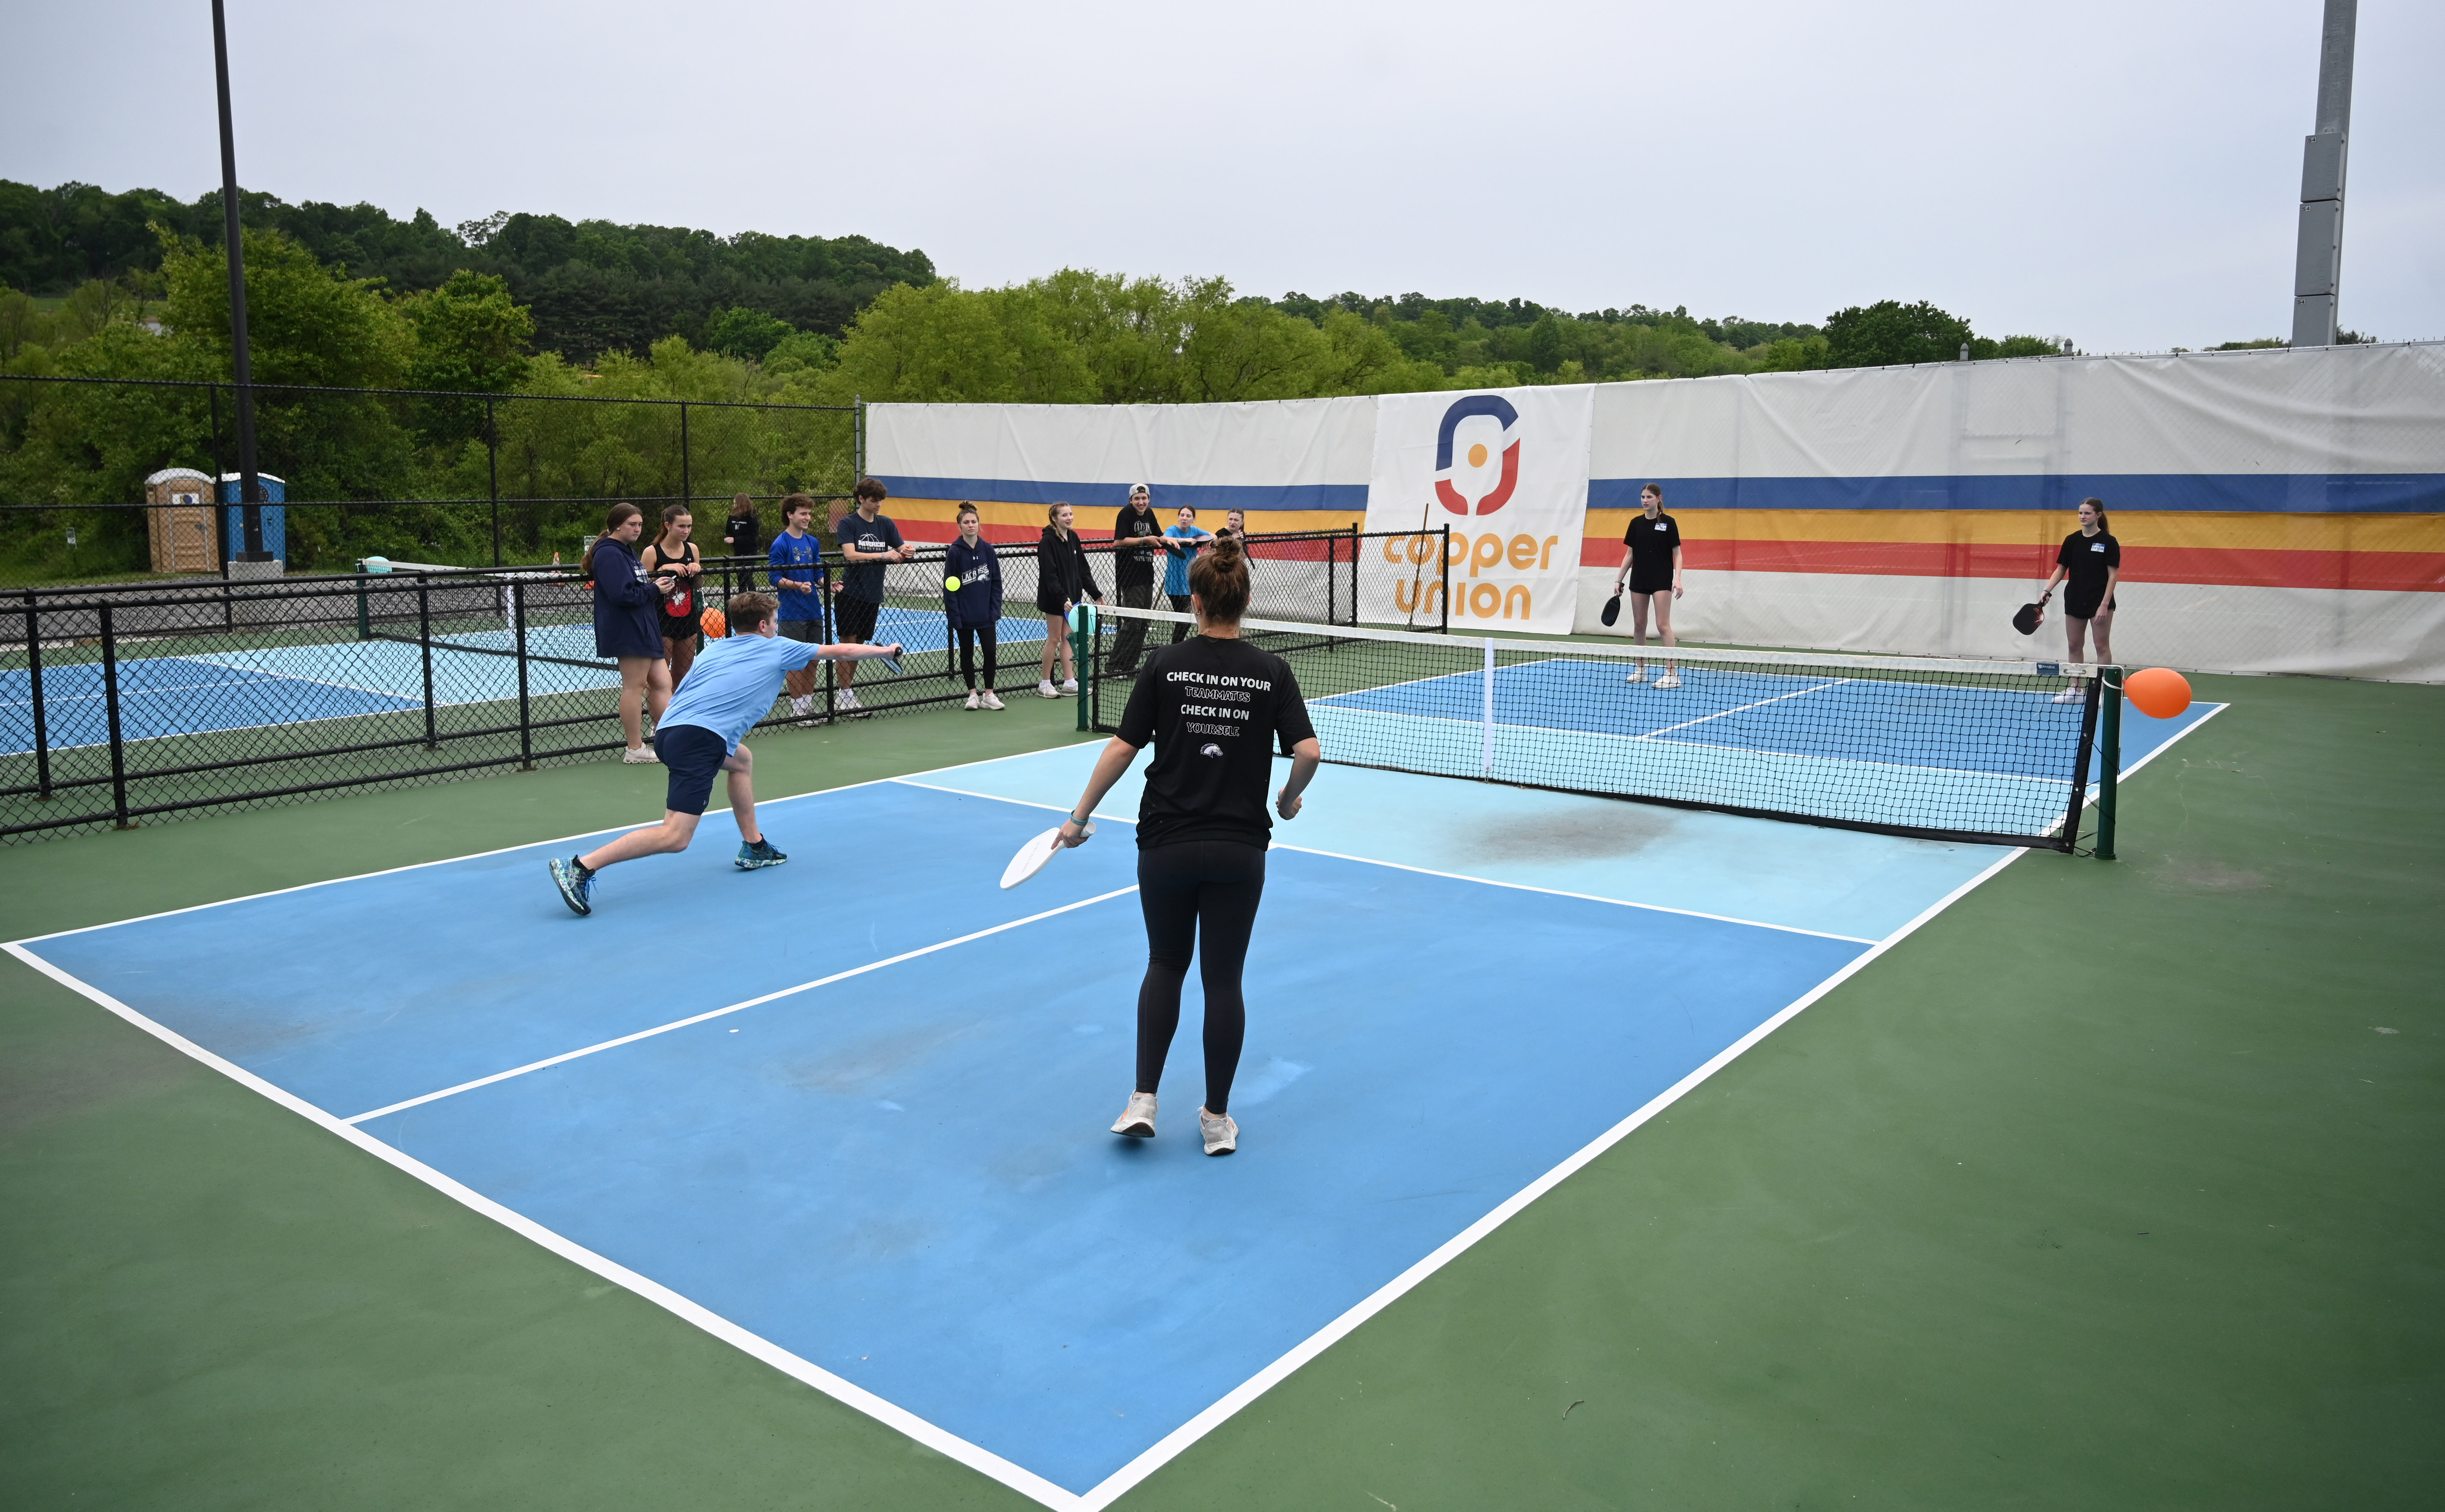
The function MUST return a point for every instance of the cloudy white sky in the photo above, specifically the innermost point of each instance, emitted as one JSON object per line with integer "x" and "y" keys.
{"x": 2122, "y": 172}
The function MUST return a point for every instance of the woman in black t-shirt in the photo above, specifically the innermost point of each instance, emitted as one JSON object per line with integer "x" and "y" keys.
{"x": 1215, "y": 707}
{"x": 2088, "y": 563}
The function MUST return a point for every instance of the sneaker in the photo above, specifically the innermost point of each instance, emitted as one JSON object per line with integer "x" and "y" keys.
{"x": 1070, "y": 688}
{"x": 803, "y": 705}
{"x": 754, "y": 854}
{"x": 976, "y": 700}
{"x": 1222, "y": 1134}
{"x": 1137, "y": 1119}
{"x": 1638, "y": 674}
{"x": 1046, "y": 690}
{"x": 1668, "y": 681}
{"x": 575, "y": 885}
{"x": 2070, "y": 695}
{"x": 987, "y": 700}
{"x": 640, "y": 755}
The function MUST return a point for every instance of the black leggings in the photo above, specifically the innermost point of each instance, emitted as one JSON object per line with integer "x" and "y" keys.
{"x": 969, "y": 636}
{"x": 1179, "y": 606}
{"x": 1218, "y": 881}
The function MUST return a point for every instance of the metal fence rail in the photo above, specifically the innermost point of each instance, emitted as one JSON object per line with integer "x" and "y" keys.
{"x": 134, "y": 703}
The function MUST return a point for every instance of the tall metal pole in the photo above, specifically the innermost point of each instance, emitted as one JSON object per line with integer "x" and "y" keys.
{"x": 2317, "y": 270}
{"x": 250, "y": 491}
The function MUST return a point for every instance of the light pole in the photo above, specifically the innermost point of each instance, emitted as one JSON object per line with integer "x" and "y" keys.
{"x": 2317, "y": 270}
{"x": 250, "y": 491}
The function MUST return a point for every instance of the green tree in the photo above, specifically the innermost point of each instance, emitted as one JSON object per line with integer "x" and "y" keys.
{"x": 742, "y": 332}
{"x": 1890, "y": 333}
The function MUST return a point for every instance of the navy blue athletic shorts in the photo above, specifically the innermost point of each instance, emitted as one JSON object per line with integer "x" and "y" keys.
{"x": 693, "y": 754}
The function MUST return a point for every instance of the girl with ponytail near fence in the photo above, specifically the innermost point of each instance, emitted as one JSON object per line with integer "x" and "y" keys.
{"x": 1215, "y": 709}
{"x": 627, "y": 605}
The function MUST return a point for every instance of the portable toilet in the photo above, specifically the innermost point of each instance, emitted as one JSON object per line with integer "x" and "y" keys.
{"x": 275, "y": 519}
{"x": 181, "y": 526}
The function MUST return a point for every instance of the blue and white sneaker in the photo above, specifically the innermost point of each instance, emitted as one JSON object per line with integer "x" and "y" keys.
{"x": 756, "y": 854}
{"x": 574, "y": 882}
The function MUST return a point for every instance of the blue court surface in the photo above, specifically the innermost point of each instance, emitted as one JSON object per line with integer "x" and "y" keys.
{"x": 850, "y": 1114}
{"x": 250, "y": 689}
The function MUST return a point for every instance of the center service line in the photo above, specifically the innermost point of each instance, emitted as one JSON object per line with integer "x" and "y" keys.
{"x": 737, "y": 1007}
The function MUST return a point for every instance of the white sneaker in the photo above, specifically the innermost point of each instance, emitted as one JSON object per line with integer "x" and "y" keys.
{"x": 803, "y": 705}
{"x": 1137, "y": 1119}
{"x": 987, "y": 700}
{"x": 1070, "y": 688}
{"x": 1638, "y": 674}
{"x": 976, "y": 700}
{"x": 640, "y": 755}
{"x": 1046, "y": 690}
{"x": 1222, "y": 1134}
{"x": 1669, "y": 680}
{"x": 2070, "y": 695}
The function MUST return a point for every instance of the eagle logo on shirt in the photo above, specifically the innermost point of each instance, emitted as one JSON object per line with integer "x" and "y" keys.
{"x": 1209, "y": 747}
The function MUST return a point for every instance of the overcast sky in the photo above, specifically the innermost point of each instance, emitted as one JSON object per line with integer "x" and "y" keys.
{"x": 2125, "y": 174}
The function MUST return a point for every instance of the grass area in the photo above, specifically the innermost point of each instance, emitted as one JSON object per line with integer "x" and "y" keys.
{"x": 2105, "y": 1190}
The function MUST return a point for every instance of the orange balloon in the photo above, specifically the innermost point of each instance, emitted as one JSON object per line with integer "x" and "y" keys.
{"x": 716, "y": 625}
{"x": 2160, "y": 692}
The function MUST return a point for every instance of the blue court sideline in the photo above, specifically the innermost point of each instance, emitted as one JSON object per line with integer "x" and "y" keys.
{"x": 891, "y": 1160}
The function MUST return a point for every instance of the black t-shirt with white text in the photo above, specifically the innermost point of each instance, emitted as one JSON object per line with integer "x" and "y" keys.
{"x": 1652, "y": 544}
{"x": 1216, "y": 710}
{"x": 1136, "y": 565}
{"x": 864, "y": 580}
{"x": 2085, "y": 560}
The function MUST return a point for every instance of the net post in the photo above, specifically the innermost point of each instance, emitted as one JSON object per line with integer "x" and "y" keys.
{"x": 2109, "y": 757}
{"x": 518, "y": 636}
{"x": 110, "y": 706}
{"x": 365, "y": 618}
{"x": 2079, "y": 763}
{"x": 1081, "y": 649}
{"x": 1487, "y": 757}
{"x": 34, "y": 692}
{"x": 424, "y": 642}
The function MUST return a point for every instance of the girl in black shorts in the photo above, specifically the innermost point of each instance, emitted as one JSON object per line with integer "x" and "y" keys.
{"x": 681, "y": 618}
{"x": 2089, "y": 563}
{"x": 1215, "y": 707}
{"x": 1063, "y": 579}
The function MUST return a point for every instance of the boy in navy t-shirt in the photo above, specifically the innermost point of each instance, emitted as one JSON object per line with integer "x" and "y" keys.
{"x": 798, "y": 575}
{"x": 869, "y": 540}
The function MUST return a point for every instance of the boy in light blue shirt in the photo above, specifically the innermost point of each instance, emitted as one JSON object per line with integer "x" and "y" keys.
{"x": 730, "y": 689}
{"x": 1181, "y": 546}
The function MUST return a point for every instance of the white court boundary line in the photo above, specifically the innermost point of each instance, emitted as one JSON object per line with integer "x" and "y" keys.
{"x": 981, "y": 1460}
{"x": 738, "y": 1007}
{"x": 1430, "y": 871}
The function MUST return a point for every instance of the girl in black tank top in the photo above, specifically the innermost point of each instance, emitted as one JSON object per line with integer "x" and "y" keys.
{"x": 682, "y": 613}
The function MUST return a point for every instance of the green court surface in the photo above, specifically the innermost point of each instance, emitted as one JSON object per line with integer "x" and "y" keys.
{"x": 2118, "y": 1184}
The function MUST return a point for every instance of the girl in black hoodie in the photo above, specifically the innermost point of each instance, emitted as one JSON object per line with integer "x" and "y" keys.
{"x": 1062, "y": 579}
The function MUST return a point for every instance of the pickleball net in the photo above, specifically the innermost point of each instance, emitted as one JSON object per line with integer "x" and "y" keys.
{"x": 1965, "y": 750}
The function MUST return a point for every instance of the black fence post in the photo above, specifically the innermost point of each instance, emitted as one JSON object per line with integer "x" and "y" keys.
{"x": 110, "y": 706}
{"x": 1355, "y": 540}
{"x": 424, "y": 639}
{"x": 1332, "y": 579}
{"x": 492, "y": 475}
{"x": 525, "y": 718}
{"x": 687, "y": 481}
{"x": 34, "y": 691}
{"x": 1443, "y": 572}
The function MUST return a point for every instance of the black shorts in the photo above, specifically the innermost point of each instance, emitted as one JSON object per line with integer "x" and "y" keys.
{"x": 854, "y": 617}
{"x": 2078, "y": 605}
{"x": 685, "y": 627}
{"x": 1053, "y": 610}
{"x": 806, "y": 632}
{"x": 1651, "y": 585}
{"x": 693, "y": 756}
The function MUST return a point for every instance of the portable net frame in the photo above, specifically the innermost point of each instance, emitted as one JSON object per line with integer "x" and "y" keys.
{"x": 1976, "y": 750}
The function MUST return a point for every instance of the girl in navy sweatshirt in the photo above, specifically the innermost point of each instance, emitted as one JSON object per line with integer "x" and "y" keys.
{"x": 626, "y": 605}
{"x": 974, "y": 610}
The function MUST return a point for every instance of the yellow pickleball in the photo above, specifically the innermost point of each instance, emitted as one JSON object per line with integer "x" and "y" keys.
{"x": 950, "y": 585}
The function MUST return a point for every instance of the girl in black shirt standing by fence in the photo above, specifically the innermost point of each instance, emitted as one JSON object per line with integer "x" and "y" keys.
{"x": 1062, "y": 579}
{"x": 1215, "y": 708}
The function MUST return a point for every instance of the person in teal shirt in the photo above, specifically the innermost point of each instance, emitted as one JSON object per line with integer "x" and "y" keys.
{"x": 1181, "y": 544}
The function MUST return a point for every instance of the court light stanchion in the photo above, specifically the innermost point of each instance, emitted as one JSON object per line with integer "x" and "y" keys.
{"x": 519, "y": 632}
{"x": 110, "y": 707}
{"x": 424, "y": 642}
{"x": 34, "y": 692}
{"x": 2109, "y": 757}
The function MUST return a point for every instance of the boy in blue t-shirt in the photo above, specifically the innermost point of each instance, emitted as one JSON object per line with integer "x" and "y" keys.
{"x": 728, "y": 690}
{"x": 1181, "y": 546}
{"x": 798, "y": 575}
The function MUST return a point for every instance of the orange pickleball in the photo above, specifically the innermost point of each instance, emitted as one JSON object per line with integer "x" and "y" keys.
{"x": 716, "y": 625}
{"x": 2158, "y": 692}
